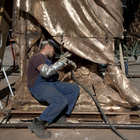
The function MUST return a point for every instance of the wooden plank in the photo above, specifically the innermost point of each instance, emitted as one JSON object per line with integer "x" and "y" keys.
{"x": 82, "y": 117}
{"x": 78, "y": 113}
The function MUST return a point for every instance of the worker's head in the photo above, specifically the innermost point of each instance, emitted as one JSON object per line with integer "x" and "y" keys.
{"x": 50, "y": 48}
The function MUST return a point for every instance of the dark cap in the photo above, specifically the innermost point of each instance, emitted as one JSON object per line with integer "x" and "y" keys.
{"x": 55, "y": 45}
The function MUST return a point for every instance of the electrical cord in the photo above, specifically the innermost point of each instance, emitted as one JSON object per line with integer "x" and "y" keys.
{"x": 99, "y": 108}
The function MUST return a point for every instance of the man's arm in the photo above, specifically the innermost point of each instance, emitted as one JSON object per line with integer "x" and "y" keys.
{"x": 47, "y": 71}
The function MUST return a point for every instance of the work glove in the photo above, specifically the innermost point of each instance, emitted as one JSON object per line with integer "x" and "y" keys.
{"x": 64, "y": 58}
{"x": 70, "y": 62}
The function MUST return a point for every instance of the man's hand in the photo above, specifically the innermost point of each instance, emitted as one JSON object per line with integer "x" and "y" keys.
{"x": 72, "y": 64}
{"x": 64, "y": 58}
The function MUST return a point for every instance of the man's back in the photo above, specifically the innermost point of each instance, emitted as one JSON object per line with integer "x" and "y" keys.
{"x": 32, "y": 72}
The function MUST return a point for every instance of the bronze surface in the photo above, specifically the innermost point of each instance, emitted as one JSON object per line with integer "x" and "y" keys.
{"x": 88, "y": 26}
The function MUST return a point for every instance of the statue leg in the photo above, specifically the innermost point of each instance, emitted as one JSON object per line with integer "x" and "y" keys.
{"x": 117, "y": 80}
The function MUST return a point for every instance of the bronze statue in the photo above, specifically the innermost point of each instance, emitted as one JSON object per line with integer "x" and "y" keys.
{"x": 85, "y": 28}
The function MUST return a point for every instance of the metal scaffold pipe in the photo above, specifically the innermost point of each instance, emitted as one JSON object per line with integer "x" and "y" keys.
{"x": 75, "y": 126}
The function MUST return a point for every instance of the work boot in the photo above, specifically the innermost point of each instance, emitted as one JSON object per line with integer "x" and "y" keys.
{"x": 62, "y": 119}
{"x": 38, "y": 127}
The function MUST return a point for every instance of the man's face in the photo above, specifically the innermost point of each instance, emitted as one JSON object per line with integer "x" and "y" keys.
{"x": 50, "y": 51}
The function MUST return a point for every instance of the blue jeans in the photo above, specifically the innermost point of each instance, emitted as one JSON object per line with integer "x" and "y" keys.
{"x": 59, "y": 95}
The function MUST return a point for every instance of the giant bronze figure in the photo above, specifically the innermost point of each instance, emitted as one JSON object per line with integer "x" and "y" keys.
{"x": 86, "y": 28}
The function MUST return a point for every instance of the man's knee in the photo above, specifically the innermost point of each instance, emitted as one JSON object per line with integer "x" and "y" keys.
{"x": 78, "y": 88}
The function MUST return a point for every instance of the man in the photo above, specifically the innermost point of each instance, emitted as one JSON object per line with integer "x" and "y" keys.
{"x": 43, "y": 83}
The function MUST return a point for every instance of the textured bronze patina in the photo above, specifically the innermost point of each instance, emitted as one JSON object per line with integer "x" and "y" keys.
{"x": 86, "y": 28}
{"x": 116, "y": 79}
